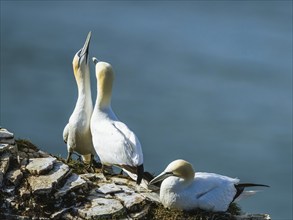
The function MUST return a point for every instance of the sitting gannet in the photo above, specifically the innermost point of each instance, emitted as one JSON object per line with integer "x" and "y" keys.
{"x": 77, "y": 132}
{"x": 183, "y": 189}
{"x": 113, "y": 141}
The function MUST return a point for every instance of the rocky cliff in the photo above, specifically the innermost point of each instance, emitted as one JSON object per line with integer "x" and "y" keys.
{"x": 37, "y": 185}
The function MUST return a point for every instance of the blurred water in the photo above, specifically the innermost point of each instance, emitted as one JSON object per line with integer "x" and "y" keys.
{"x": 209, "y": 82}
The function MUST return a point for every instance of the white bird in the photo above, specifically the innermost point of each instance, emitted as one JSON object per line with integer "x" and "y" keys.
{"x": 113, "y": 141}
{"x": 77, "y": 132}
{"x": 183, "y": 189}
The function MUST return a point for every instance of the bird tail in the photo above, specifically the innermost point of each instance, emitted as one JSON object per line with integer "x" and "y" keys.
{"x": 250, "y": 185}
{"x": 241, "y": 193}
{"x": 135, "y": 173}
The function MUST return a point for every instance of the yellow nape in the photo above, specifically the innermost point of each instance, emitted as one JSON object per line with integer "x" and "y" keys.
{"x": 75, "y": 66}
{"x": 181, "y": 168}
{"x": 105, "y": 77}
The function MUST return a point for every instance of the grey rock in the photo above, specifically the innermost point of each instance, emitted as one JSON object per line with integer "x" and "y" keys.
{"x": 31, "y": 150}
{"x": 43, "y": 154}
{"x": 123, "y": 181}
{"x": 5, "y": 134}
{"x": 25, "y": 150}
{"x": 7, "y": 141}
{"x": 14, "y": 176}
{"x": 43, "y": 184}
{"x": 94, "y": 193}
{"x": 13, "y": 149}
{"x": 4, "y": 147}
{"x": 152, "y": 196}
{"x": 4, "y": 164}
{"x": 37, "y": 166}
{"x": 124, "y": 193}
{"x": 30, "y": 155}
{"x": 93, "y": 176}
{"x": 93, "y": 196}
{"x": 129, "y": 198}
{"x": 73, "y": 182}
{"x": 101, "y": 208}
{"x": 22, "y": 155}
{"x": 109, "y": 188}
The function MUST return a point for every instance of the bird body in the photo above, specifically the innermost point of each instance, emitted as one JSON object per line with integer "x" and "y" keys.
{"x": 207, "y": 191}
{"x": 183, "y": 189}
{"x": 77, "y": 132}
{"x": 116, "y": 144}
{"x": 113, "y": 141}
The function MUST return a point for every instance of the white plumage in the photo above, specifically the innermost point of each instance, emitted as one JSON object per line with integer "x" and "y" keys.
{"x": 183, "y": 189}
{"x": 77, "y": 133}
{"x": 113, "y": 141}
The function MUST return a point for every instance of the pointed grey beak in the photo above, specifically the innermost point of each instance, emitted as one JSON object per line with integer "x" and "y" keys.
{"x": 85, "y": 49}
{"x": 160, "y": 177}
{"x": 95, "y": 60}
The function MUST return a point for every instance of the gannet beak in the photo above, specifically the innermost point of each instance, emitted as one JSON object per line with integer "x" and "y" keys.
{"x": 85, "y": 49}
{"x": 160, "y": 177}
{"x": 95, "y": 60}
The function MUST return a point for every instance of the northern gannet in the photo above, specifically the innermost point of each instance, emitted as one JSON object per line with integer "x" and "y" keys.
{"x": 77, "y": 132}
{"x": 113, "y": 141}
{"x": 183, "y": 189}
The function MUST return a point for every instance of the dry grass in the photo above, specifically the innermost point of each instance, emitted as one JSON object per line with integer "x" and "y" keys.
{"x": 157, "y": 212}
{"x": 24, "y": 143}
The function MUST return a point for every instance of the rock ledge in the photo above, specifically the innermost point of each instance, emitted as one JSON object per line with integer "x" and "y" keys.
{"x": 37, "y": 185}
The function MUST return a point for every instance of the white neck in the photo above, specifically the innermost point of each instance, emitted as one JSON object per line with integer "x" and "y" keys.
{"x": 84, "y": 91}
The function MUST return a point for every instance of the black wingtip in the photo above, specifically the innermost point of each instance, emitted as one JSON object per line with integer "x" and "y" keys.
{"x": 250, "y": 185}
{"x": 140, "y": 173}
{"x": 241, "y": 186}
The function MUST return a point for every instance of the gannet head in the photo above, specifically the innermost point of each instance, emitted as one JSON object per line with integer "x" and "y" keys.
{"x": 80, "y": 61}
{"x": 105, "y": 78}
{"x": 179, "y": 168}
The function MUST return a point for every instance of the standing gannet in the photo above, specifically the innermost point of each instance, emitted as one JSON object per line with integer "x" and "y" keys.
{"x": 77, "y": 132}
{"x": 113, "y": 141}
{"x": 183, "y": 189}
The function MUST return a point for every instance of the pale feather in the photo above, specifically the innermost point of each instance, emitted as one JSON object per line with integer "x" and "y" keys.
{"x": 65, "y": 133}
{"x": 207, "y": 191}
{"x": 115, "y": 143}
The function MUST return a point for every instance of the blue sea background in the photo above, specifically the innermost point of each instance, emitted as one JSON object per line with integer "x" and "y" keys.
{"x": 209, "y": 82}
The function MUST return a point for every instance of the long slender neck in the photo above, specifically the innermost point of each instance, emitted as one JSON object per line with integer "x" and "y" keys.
{"x": 104, "y": 90}
{"x": 84, "y": 89}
